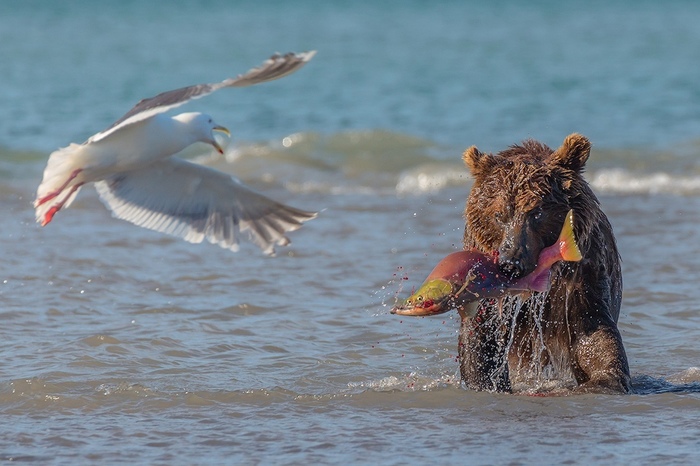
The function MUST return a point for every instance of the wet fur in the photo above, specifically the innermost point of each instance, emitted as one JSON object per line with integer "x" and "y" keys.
{"x": 516, "y": 207}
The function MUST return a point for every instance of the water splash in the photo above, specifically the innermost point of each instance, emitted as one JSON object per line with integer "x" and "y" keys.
{"x": 412, "y": 382}
{"x": 390, "y": 292}
{"x": 533, "y": 366}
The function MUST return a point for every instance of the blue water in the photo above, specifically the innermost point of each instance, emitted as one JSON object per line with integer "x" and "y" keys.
{"x": 623, "y": 73}
{"x": 121, "y": 344}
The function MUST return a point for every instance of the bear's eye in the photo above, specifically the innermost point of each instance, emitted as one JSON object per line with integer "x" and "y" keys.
{"x": 537, "y": 213}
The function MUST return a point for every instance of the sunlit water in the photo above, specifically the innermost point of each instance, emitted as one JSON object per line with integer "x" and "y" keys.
{"x": 120, "y": 344}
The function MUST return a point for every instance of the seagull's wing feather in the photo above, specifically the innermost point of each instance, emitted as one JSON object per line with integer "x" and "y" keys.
{"x": 195, "y": 202}
{"x": 274, "y": 67}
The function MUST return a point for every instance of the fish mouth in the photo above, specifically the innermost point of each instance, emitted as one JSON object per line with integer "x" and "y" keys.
{"x": 421, "y": 310}
{"x": 433, "y": 297}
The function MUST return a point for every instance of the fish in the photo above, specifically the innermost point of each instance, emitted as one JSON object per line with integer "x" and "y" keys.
{"x": 463, "y": 278}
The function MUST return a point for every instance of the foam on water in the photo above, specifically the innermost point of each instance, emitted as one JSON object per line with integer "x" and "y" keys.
{"x": 624, "y": 181}
{"x": 409, "y": 383}
{"x": 378, "y": 162}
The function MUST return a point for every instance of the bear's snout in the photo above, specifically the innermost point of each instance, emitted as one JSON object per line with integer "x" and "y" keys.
{"x": 510, "y": 268}
{"x": 516, "y": 260}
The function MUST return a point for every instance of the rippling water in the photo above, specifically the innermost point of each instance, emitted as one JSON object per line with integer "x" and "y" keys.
{"x": 120, "y": 344}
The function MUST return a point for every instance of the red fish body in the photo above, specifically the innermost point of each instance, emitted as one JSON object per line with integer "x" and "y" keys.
{"x": 465, "y": 277}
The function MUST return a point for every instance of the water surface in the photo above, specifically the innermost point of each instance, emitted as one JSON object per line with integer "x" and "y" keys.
{"x": 121, "y": 344}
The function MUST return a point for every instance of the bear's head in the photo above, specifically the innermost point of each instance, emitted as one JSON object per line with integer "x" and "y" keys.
{"x": 520, "y": 198}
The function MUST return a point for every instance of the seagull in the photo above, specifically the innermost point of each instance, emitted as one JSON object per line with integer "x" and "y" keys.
{"x": 136, "y": 177}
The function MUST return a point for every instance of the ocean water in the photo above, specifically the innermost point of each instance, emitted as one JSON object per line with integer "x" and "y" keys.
{"x": 121, "y": 344}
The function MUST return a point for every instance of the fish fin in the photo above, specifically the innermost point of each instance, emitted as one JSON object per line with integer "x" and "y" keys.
{"x": 567, "y": 240}
{"x": 541, "y": 282}
{"x": 469, "y": 310}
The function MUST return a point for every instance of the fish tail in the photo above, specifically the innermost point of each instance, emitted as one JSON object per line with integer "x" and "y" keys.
{"x": 567, "y": 240}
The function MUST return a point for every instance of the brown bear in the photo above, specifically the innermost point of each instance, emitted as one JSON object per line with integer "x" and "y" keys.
{"x": 516, "y": 207}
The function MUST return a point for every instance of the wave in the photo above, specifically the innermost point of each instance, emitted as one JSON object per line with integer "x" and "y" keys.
{"x": 378, "y": 162}
{"x": 623, "y": 181}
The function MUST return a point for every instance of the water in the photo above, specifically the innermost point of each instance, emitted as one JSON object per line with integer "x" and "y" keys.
{"x": 120, "y": 344}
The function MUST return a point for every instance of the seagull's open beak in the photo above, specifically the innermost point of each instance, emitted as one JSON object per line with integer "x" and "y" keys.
{"x": 216, "y": 144}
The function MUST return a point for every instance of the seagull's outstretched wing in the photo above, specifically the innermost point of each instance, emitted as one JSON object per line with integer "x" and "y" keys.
{"x": 274, "y": 67}
{"x": 195, "y": 202}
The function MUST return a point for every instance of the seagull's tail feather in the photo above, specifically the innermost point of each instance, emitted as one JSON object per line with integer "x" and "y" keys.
{"x": 195, "y": 203}
{"x": 60, "y": 184}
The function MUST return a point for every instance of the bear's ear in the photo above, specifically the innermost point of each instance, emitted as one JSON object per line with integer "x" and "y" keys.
{"x": 573, "y": 153}
{"x": 477, "y": 162}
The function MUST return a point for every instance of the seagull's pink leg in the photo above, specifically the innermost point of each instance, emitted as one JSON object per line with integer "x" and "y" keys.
{"x": 52, "y": 211}
{"x": 55, "y": 193}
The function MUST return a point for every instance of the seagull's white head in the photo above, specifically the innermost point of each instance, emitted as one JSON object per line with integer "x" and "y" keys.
{"x": 201, "y": 127}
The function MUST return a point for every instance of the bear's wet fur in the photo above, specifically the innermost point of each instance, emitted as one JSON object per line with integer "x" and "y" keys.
{"x": 516, "y": 208}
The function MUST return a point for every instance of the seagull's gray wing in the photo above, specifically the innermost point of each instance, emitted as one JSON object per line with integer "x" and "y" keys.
{"x": 195, "y": 202}
{"x": 274, "y": 67}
